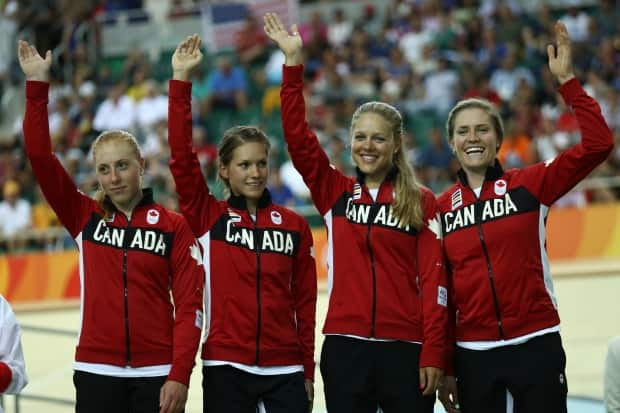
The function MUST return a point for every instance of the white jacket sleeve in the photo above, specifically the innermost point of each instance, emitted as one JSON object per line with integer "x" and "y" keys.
{"x": 612, "y": 377}
{"x": 11, "y": 354}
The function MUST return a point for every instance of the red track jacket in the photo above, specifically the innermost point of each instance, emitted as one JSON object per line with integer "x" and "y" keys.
{"x": 495, "y": 245}
{"x": 386, "y": 280}
{"x": 127, "y": 268}
{"x": 260, "y": 277}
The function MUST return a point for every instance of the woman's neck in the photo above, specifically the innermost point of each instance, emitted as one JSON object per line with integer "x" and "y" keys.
{"x": 130, "y": 206}
{"x": 475, "y": 178}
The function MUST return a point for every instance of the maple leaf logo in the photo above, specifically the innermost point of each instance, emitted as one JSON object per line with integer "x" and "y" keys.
{"x": 194, "y": 252}
{"x": 435, "y": 226}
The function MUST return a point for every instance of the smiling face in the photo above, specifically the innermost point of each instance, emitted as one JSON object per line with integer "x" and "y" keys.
{"x": 373, "y": 147}
{"x": 474, "y": 140}
{"x": 246, "y": 173}
{"x": 119, "y": 172}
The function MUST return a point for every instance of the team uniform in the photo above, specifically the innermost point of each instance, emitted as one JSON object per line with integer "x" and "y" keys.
{"x": 260, "y": 286}
{"x": 507, "y": 323}
{"x": 387, "y": 312}
{"x": 132, "y": 337}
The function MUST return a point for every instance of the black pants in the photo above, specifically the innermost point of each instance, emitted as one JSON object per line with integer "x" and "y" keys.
{"x": 226, "y": 389}
{"x": 95, "y": 393}
{"x": 533, "y": 373}
{"x": 361, "y": 375}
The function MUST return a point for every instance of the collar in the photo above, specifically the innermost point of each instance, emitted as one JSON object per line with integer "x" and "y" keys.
{"x": 147, "y": 199}
{"x": 391, "y": 175}
{"x": 239, "y": 201}
{"x": 492, "y": 173}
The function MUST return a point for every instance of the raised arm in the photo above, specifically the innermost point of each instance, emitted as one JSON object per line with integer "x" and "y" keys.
{"x": 198, "y": 206}
{"x": 309, "y": 159}
{"x": 63, "y": 196}
{"x": 575, "y": 163}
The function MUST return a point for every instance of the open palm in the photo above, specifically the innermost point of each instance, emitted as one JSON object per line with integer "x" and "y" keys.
{"x": 289, "y": 43}
{"x": 187, "y": 54}
{"x": 33, "y": 65}
{"x": 560, "y": 58}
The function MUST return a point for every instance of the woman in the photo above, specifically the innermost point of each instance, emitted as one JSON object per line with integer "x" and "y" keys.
{"x": 136, "y": 348}
{"x": 387, "y": 315}
{"x": 260, "y": 272}
{"x": 509, "y": 351}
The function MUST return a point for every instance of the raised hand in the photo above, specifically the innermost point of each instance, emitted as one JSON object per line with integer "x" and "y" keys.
{"x": 186, "y": 57}
{"x": 290, "y": 44}
{"x": 33, "y": 65}
{"x": 560, "y": 59}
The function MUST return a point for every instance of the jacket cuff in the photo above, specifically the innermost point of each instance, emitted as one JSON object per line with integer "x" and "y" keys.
{"x": 292, "y": 74}
{"x": 177, "y": 374}
{"x": 36, "y": 89}
{"x": 432, "y": 358}
{"x": 309, "y": 371}
{"x": 6, "y": 375}
{"x": 179, "y": 89}
{"x": 570, "y": 90}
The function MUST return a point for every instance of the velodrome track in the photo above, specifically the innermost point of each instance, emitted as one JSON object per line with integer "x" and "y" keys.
{"x": 589, "y": 308}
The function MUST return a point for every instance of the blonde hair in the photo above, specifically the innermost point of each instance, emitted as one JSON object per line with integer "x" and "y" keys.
{"x": 234, "y": 138}
{"x": 478, "y": 103}
{"x": 109, "y": 136}
{"x": 407, "y": 205}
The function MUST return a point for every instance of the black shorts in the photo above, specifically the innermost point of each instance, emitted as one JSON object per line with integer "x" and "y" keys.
{"x": 96, "y": 393}
{"x": 361, "y": 375}
{"x": 522, "y": 378}
{"x": 226, "y": 389}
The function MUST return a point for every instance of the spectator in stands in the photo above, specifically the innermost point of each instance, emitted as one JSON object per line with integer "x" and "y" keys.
{"x": 436, "y": 159}
{"x": 502, "y": 304}
{"x": 228, "y": 87}
{"x": 505, "y": 79}
{"x": 15, "y": 217}
{"x": 611, "y": 379}
{"x": 251, "y": 43}
{"x": 261, "y": 291}
{"x": 386, "y": 322}
{"x": 339, "y": 29}
{"x": 44, "y": 222}
{"x": 280, "y": 192}
{"x": 118, "y": 111}
{"x": 136, "y": 349}
{"x": 152, "y": 108}
{"x": 13, "y": 376}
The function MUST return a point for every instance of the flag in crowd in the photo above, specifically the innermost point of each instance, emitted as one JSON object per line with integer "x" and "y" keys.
{"x": 222, "y": 20}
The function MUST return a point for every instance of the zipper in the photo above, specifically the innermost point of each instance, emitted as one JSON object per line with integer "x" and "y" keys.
{"x": 373, "y": 208}
{"x": 258, "y": 296}
{"x": 498, "y": 315}
{"x": 126, "y": 298}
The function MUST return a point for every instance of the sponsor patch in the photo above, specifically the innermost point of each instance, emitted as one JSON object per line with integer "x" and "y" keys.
{"x": 152, "y": 216}
{"x": 457, "y": 199}
{"x": 442, "y": 296}
{"x": 500, "y": 187}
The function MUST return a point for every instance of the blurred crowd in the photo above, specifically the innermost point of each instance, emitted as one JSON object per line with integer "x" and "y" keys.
{"x": 419, "y": 55}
